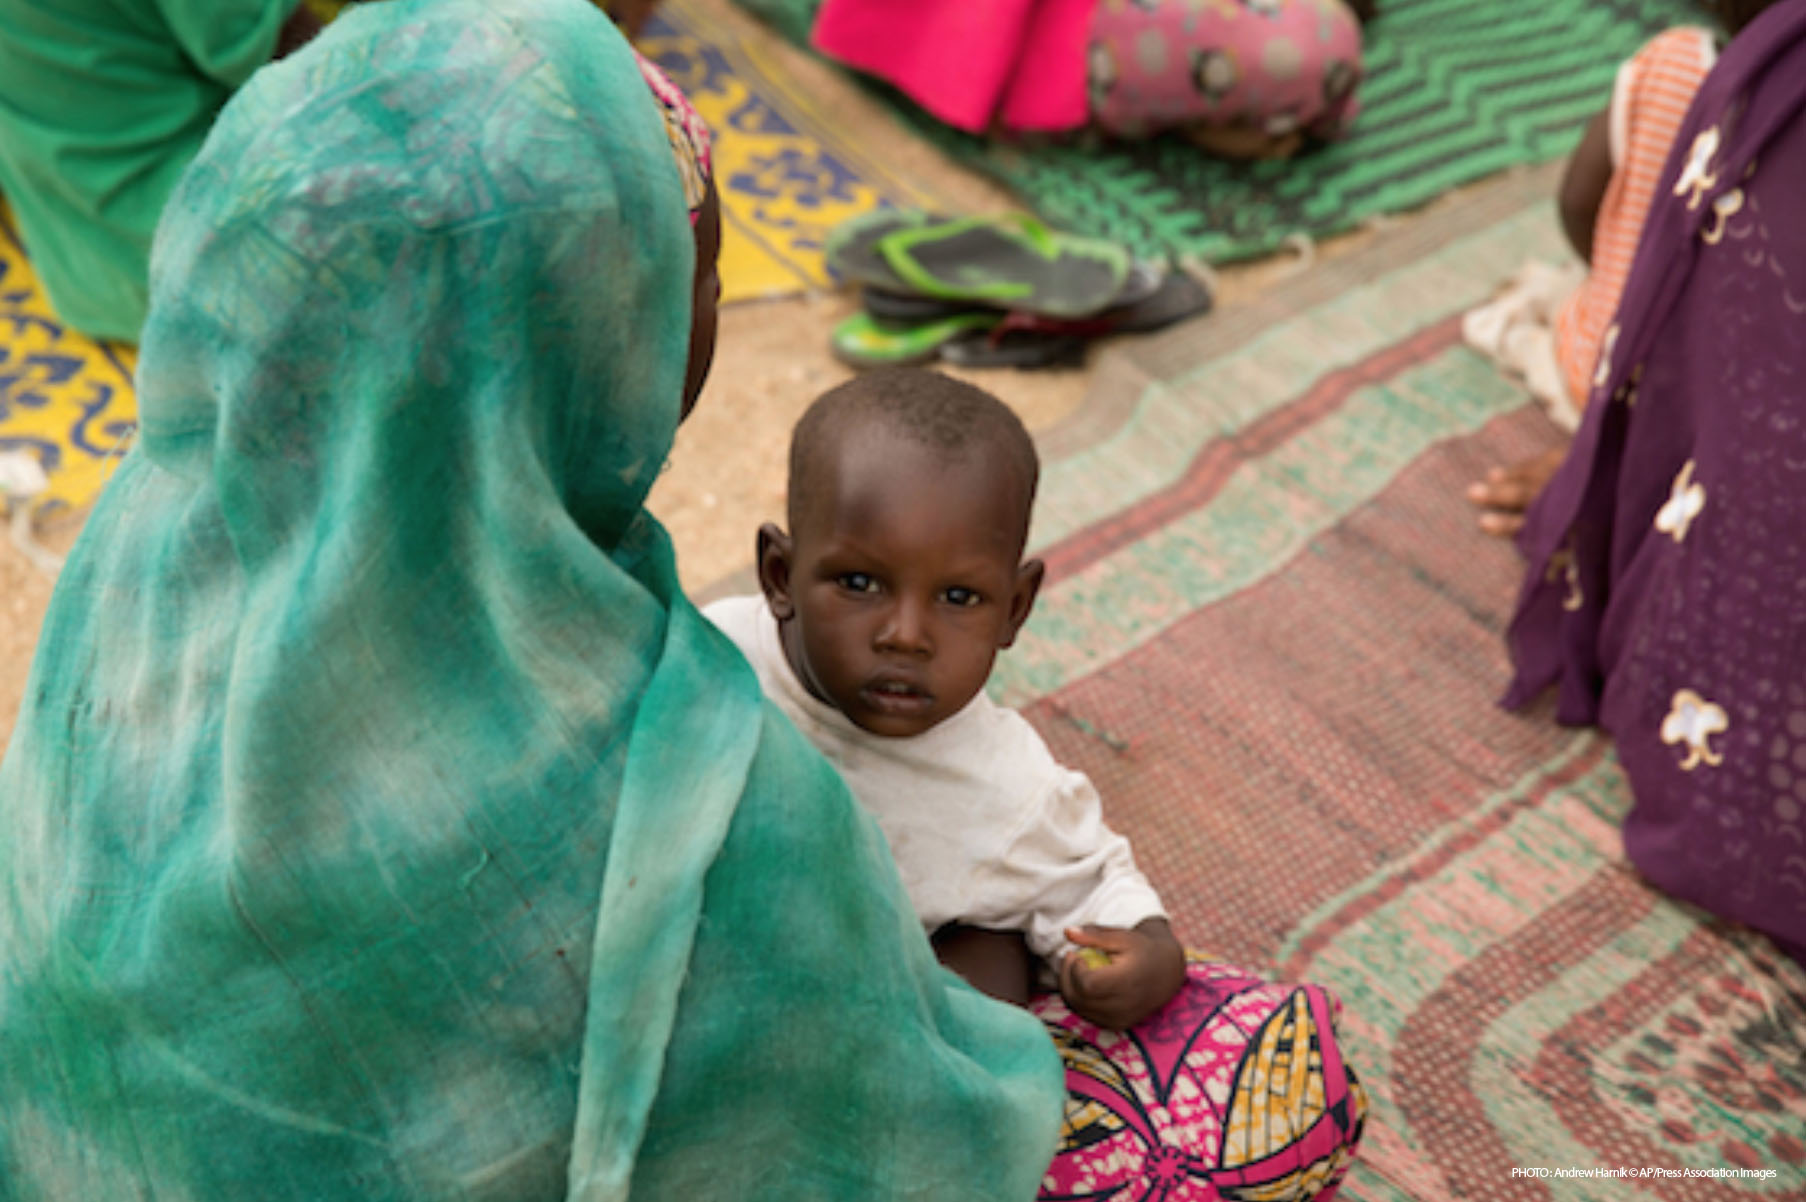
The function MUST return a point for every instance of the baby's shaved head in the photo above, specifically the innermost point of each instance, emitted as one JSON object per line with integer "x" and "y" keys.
{"x": 948, "y": 417}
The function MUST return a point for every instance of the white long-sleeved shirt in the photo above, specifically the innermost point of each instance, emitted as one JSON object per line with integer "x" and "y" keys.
{"x": 986, "y": 827}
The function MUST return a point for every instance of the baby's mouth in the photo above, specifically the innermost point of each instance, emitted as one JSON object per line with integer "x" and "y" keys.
{"x": 897, "y": 697}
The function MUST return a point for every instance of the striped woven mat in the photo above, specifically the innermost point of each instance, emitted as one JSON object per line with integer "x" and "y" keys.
{"x": 1455, "y": 90}
{"x": 1273, "y": 636}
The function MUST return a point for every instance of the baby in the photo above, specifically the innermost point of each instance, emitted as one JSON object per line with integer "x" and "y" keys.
{"x": 884, "y": 607}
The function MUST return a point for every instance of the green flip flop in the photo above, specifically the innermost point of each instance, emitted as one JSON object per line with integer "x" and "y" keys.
{"x": 1011, "y": 261}
{"x": 1146, "y": 278}
{"x": 866, "y": 341}
{"x": 851, "y": 249}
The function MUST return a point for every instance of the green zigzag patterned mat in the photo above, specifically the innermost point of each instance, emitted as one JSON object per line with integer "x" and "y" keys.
{"x": 1455, "y": 90}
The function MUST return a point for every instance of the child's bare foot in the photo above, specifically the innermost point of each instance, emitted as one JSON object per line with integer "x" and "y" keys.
{"x": 1507, "y": 491}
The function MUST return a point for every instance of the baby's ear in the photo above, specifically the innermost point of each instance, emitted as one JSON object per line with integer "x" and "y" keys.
{"x": 1022, "y": 598}
{"x": 774, "y": 556}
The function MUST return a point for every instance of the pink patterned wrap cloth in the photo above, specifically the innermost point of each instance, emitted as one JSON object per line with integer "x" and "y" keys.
{"x": 1236, "y": 1089}
{"x": 692, "y": 148}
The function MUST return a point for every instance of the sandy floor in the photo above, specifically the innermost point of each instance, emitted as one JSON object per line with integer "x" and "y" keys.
{"x": 726, "y": 472}
{"x": 725, "y": 475}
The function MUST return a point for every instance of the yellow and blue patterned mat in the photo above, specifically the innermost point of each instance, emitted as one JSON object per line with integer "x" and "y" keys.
{"x": 785, "y": 178}
{"x": 64, "y": 398}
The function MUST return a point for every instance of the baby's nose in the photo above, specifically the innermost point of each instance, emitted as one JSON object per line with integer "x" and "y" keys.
{"x": 905, "y": 629}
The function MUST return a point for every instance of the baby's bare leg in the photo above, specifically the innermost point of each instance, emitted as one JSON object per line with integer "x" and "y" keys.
{"x": 993, "y": 962}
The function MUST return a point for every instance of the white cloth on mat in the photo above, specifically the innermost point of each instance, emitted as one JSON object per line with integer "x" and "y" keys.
{"x": 986, "y": 827}
{"x": 1516, "y": 330}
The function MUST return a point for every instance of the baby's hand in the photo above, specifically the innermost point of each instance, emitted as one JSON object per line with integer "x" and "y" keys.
{"x": 1118, "y": 977}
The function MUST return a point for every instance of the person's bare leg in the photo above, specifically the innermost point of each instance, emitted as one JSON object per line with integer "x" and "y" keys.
{"x": 1506, "y": 491}
{"x": 994, "y": 962}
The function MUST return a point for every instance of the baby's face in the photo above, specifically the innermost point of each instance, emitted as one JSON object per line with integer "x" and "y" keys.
{"x": 904, "y": 583}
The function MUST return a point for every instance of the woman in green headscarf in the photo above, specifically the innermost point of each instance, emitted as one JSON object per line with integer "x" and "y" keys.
{"x": 382, "y": 823}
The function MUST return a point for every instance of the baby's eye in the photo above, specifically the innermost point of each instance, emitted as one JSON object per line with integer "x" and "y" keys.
{"x": 965, "y": 598}
{"x": 856, "y": 582}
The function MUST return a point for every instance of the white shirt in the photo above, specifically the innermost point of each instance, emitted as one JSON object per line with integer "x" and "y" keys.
{"x": 986, "y": 828}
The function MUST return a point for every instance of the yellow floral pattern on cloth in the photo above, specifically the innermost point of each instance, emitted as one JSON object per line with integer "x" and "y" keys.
{"x": 1606, "y": 346}
{"x": 1698, "y": 178}
{"x": 1686, "y": 500}
{"x": 1565, "y": 567}
{"x": 1691, "y": 722}
{"x": 65, "y": 399}
{"x": 1724, "y": 208}
{"x": 1627, "y": 391}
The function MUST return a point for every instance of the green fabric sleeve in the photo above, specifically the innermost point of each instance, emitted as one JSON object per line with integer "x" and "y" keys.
{"x": 226, "y": 40}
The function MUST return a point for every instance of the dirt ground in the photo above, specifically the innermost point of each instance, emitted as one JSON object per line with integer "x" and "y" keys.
{"x": 725, "y": 475}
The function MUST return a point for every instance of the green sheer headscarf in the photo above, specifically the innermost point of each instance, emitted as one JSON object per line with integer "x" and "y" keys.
{"x": 381, "y": 822}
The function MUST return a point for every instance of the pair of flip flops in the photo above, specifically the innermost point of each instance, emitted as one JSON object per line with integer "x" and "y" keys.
{"x": 993, "y": 291}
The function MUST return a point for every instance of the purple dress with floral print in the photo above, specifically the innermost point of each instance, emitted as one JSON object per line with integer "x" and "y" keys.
{"x": 1666, "y": 593}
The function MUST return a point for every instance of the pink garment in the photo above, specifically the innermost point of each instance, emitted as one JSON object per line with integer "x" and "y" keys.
{"x": 970, "y": 62}
{"x": 1274, "y": 66}
{"x": 1235, "y": 1089}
